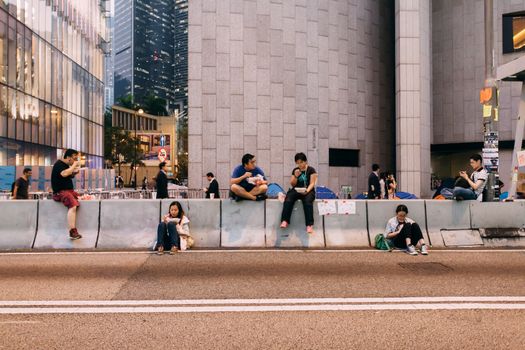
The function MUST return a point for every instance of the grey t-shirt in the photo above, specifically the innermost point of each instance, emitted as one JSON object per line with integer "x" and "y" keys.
{"x": 479, "y": 175}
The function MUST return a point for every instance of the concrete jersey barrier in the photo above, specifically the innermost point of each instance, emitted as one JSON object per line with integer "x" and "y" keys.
{"x": 294, "y": 236}
{"x": 347, "y": 230}
{"x": 243, "y": 224}
{"x": 128, "y": 224}
{"x": 52, "y": 225}
{"x": 448, "y": 220}
{"x": 380, "y": 211}
{"x": 18, "y": 224}
{"x": 497, "y": 215}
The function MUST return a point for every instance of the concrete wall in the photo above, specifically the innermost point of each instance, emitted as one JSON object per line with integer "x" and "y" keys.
{"x": 277, "y": 77}
{"x": 413, "y": 98}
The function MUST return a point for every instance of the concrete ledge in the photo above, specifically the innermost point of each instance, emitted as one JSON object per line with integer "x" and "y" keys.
{"x": 446, "y": 215}
{"x": 18, "y": 224}
{"x": 497, "y": 215}
{"x": 128, "y": 224}
{"x": 294, "y": 236}
{"x": 52, "y": 225}
{"x": 347, "y": 230}
{"x": 380, "y": 211}
{"x": 243, "y": 224}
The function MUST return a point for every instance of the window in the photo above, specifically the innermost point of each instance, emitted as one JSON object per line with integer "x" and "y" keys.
{"x": 338, "y": 157}
{"x": 513, "y": 32}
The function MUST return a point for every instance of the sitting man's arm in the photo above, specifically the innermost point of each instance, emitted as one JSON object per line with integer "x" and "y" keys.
{"x": 237, "y": 180}
{"x": 72, "y": 170}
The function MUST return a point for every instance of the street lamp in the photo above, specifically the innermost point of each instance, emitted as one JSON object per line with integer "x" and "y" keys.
{"x": 140, "y": 111}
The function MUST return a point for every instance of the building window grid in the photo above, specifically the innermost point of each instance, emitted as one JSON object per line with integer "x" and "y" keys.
{"x": 25, "y": 81}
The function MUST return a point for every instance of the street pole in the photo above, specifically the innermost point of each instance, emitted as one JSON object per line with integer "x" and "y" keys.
{"x": 137, "y": 143}
{"x": 489, "y": 99}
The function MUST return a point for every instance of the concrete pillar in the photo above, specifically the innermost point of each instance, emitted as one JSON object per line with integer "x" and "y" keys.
{"x": 413, "y": 96}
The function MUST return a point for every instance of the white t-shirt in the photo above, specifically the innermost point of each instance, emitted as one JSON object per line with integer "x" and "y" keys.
{"x": 479, "y": 175}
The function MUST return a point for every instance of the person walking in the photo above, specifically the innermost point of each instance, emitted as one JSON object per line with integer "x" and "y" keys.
{"x": 21, "y": 186}
{"x": 374, "y": 187}
{"x": 212, "y": 191}
{"x": 162, "y": 181}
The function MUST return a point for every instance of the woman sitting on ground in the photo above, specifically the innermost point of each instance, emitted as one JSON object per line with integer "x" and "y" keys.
{"x": 174, "y": 225}
{"x": 303, "y": 181}
{"x": 404, "y": 233}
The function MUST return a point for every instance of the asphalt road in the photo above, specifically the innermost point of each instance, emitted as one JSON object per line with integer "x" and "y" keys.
{"x": 263, "y": 300}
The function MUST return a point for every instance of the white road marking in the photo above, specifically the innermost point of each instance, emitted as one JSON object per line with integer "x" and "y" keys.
{"x": 385, "y": 300}
{"x": 260, "y": 308}
{"x": 299, "y": 250}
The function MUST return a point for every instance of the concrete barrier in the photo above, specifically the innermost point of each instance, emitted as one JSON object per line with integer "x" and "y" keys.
{"x": 446, "y": 215}
{"x": 205, "y": 220}
{"x": 294, "y": 236}
{"x": 18, "y": 224}
{"x": 52, "y": 225}
{"x": 128, "y": 224}
{"x": 243, "y": 224}
{"x": 347, "y": 230}
{"x": 497, "y": 215}
{"x": 380, "y": 211}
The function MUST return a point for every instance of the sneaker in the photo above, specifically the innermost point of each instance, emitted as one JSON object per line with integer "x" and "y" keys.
{"x": 173, "y": 250}
{"x": 261, "y": 197}
{"x": 160, "y": 250}
{"x": 411, "y": 250}
{"x": 73, "y": 234}
{"x": 284, "y": 224}
{"x": 309, "y": 229}
{"x": 424, "y": 249}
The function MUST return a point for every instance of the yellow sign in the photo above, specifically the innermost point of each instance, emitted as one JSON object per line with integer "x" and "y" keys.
{"x": 487, "y": 111}
{"x": 496, "y": 114}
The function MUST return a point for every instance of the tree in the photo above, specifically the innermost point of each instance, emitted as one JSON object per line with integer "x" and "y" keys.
{"x": 154, "y": 105}
{"x": 120, "y": 146}
{"x": 126, "y": 102}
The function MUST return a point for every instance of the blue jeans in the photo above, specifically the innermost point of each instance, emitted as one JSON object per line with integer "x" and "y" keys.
{"x": 465, "y": 193}
{"x": 169, "y": 230}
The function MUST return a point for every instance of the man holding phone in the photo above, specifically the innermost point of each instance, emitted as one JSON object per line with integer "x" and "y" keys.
{"x": 62, "y": 176}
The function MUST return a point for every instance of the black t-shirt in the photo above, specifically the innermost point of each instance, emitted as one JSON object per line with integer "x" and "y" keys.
{"x": 304, "y": 179}
{"x": 23, "y": 188}
{"x": 58, "y": 182}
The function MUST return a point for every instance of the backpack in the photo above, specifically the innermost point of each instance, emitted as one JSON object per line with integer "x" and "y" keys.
{"x": 381, "y": 242}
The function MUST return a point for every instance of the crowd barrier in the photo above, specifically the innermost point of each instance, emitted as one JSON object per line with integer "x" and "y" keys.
{"x": 132, "y": 224}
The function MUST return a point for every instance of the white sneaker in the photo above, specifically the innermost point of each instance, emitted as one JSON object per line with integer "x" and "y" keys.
{"x": 411, "y": 250}
{"x": 424, "y": 249}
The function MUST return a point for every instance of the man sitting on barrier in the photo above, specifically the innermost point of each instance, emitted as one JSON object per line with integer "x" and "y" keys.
{"x": 62, "y": 176}
{"x": 476, "y": 181}
{"x": 248, "y": 181}
{"x": 404, "y": 233}
{"x": 303, "y": 182}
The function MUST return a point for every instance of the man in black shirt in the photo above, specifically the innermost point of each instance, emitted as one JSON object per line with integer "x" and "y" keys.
{"x": 374, "y": 187}
{"x": 162, "y": 181}
{"x": 303, "y": 181}
{"x": 213, "y": 188}
{"x": 62, "y": 176}
{"x": 21, "y": 187}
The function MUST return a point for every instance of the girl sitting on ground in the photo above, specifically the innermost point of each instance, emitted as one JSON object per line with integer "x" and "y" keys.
{"x": 404, "y": 233}
{"x": 175, "y": 226}
{"x": 303, "y": 182}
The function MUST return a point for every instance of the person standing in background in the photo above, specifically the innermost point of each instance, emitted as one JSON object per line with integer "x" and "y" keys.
{"x": 21, "y": 186}
{"x": 162, "y": 181}
{"x": 212, "y": 191}
{"x": 374, "y": 187}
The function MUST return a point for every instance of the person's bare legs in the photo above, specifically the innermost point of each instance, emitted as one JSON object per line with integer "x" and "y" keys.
{"x": 71, "y": 218}
{"x": 241, "y": 192}
{"x": 257, "y": 190}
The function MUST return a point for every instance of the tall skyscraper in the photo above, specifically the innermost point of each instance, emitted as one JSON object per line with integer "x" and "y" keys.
{"x": 110, "y": 66}
{"x": 181, "y": 54}
{"x": 51, "y": 81}
{"x": 144, "y": 49}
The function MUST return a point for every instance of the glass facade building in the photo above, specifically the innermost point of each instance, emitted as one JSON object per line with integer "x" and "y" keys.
{"x": 181, "y": 53}
{"x": 144, "y": 49}
{"x": 51, "y": 80}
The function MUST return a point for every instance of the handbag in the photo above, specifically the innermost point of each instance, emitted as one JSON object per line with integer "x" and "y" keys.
{"x": 381, "y": 242}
